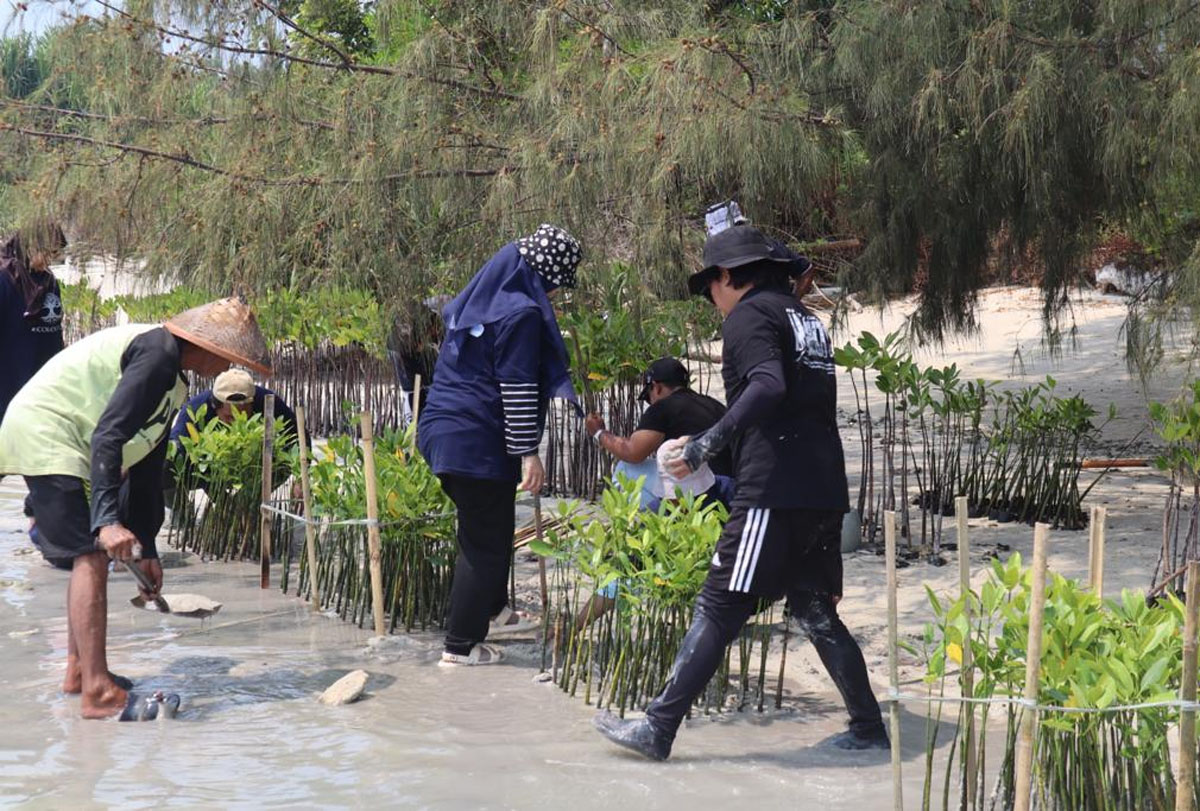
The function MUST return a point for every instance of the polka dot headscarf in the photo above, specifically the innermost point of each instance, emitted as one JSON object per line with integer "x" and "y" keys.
{"x": 552, "y": 253}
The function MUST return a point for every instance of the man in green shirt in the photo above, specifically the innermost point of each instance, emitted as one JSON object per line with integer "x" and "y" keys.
{"x": 88, "y": 432}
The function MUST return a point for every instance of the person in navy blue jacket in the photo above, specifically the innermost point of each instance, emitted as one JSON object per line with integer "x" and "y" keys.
{"x": 502, "y": 360}
{"x": 30, "y": 306}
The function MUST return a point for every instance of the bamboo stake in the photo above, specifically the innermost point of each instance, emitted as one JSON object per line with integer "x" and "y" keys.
{"x": 537, "y": 523}
{"x": 268, "y": 461}
{"x": 310, "y": 534}
{"x": 416, "y": 399}
{"x": 961, "y": 511}
{"x": 1096, "y": 554}
{"x": 373, "y": 543}
{"x": 1033, "y": 665}
{"x": 889, "y": 536}
{"x": 1185, "y": 780}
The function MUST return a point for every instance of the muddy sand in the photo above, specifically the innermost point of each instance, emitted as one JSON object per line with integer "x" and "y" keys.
{"x": 251, "y": 732}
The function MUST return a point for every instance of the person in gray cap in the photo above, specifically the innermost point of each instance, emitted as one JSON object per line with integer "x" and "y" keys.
{"x": 782, "y": 537}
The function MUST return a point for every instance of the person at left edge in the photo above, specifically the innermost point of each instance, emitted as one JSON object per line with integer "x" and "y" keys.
{"x": 30, "y": 305}
{"x": 96, "y": 416}
{"x": 31, "y": 313}
{"x": 501, "y": 361}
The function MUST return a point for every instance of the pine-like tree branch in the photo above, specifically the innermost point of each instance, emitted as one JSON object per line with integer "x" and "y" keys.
{"x": 187, "y": 160}
{"x": 351, "y": 66}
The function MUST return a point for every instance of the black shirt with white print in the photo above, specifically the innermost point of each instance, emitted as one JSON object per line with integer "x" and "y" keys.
{"x": 793, "y": 458}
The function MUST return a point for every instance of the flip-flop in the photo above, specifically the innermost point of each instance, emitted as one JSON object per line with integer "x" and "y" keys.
{"x": 481, "y": 654}
{"x": 150, "y": 706}
{"x": 501, "y": 626}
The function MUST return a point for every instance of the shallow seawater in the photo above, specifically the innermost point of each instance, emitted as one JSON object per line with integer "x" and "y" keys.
{"x": 251, "y": 734}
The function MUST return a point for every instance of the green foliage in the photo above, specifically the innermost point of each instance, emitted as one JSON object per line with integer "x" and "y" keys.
{"x": 407, "y": 488}
{"x": 401, "y": 172}
{"x": 656, "y": 564}
{"x": 1014, "y": 454}
{"x": 416, "y": 529}
{"x": 1007, "y": 131}
{"x": 338, "y": 27}
{"x": 1177, "y": 425}
{"x": 226, "y": 461}
{"x": 1096, "y": 654}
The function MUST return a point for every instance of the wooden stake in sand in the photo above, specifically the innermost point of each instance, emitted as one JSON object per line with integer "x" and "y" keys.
{"x": 889, "y": 537}
{"x": 310, "y": 533}
{"x": 1033, "y": 669}
{"x": 374, "y": 548}
{"x": 1096, "y": 550}
{"x": 537, "y": 523}
{"x": 967, "y": 680}
{"x": 1185, "y": 778}
{"x": 268, "y": 469}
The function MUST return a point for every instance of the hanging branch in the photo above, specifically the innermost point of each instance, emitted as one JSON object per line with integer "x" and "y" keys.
{"x": 355, "y": 67}
{"x": 188, "y": 160}
{"x": 206, "y": 121}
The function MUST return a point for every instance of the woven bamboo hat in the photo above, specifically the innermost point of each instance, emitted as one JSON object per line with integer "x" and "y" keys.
{"x": 228, "y": 329}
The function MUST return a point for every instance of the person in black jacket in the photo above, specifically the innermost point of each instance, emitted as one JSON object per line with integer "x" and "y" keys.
{"x": 782, "y": 537}
{"x": 31, "y": 309}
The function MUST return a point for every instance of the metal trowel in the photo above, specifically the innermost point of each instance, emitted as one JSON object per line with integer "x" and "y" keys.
{"x": 147, "y": 587}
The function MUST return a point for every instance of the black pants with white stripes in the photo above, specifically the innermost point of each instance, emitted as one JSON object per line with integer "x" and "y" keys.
{"x": 720, "y": 616}
{"x": 486, "y": 520}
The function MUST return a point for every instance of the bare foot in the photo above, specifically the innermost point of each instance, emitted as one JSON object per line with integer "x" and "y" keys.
{"x": 73, "y": 682}
{"x": 109, "y": 701}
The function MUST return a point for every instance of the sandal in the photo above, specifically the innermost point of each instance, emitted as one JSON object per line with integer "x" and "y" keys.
{"x": 150, "y": 707}
{"x": 509, "y": 623}
{"x": 481, "y": 654}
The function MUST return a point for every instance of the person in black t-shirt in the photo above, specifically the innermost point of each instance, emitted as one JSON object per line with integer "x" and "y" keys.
{"x": 675, "y": 411}
{"x": 782, "y": 537}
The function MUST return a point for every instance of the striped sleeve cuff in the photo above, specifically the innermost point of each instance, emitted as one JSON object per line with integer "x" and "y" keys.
{"x": 520, "y": 401}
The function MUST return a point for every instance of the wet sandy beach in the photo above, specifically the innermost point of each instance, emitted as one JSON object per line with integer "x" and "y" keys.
{"x": 251, "y": 733}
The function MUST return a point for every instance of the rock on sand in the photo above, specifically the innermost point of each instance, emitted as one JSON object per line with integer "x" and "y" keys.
{"x": 346, "y": 689}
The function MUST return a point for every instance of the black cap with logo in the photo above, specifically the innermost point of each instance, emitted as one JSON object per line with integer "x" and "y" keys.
{"x": 664, "y": 370}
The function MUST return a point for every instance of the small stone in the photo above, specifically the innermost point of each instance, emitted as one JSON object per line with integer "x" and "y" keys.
{"x": 346, "y": 689}
{"x": 543, "y": 678}
{"x": 192, "y": 605}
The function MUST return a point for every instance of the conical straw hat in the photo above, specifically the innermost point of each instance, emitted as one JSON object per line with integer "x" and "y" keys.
{"x": 226, "y": 328}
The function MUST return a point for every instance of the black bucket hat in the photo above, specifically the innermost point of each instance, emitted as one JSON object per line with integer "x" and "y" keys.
{"x": 664, "y": 370}
{"x": 732, "y": 248}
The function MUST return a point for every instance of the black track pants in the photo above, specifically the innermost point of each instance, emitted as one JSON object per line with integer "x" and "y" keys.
{"x": 486, "y": 521}
{"x": 720, "y": 616}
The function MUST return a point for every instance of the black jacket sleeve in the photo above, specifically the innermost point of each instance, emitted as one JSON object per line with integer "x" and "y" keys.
{"x": 764, "y": 392}
{"x": 149, "y": 369}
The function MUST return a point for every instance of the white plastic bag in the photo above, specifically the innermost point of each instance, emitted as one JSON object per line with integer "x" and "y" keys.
{"x": 695, "y": 483}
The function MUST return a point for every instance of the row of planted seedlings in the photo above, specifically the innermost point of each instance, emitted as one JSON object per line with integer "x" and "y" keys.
{"x": 416, "y": 526}
{"x": 1177, "y": 426}
{"x": 650, "y": 566}
{"x": 927, "y": 436}
{"x": 610, "y": 349}
{"x": 1096, "y": 744}
{"x": 416, "y": 533}
{"x": 216, "y": 474}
